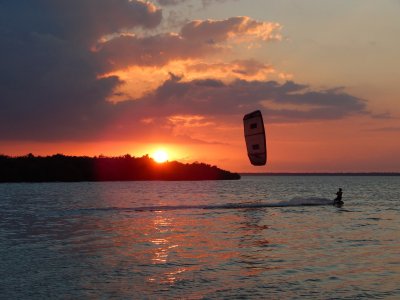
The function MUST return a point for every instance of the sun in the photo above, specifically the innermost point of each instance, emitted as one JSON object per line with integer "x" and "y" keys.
{"x": 160, "y": 156}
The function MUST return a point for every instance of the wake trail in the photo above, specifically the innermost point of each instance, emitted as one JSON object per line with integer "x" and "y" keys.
{"x": 295, "y": 202}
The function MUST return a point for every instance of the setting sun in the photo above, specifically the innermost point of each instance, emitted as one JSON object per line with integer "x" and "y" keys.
{"x": 160, "y": 156}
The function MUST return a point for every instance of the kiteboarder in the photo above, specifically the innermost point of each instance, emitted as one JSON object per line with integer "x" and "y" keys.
{"x": 338, "y": 199}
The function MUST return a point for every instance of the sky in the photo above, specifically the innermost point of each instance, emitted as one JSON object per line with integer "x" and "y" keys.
{"x": 115, "y": 77}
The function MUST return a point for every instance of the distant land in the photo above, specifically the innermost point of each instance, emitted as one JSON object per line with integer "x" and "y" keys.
{"x": 62, "y": 168}
{"x": 325, "y": 174}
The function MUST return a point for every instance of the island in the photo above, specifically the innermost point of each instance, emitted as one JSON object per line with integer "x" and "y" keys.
{"x": 62, "y": 168}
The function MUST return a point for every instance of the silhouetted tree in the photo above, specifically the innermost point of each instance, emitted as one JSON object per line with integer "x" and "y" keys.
{"x": 60, "y": 167}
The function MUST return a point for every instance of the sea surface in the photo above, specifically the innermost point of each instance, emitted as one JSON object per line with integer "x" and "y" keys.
{"x": 272, "y": 237}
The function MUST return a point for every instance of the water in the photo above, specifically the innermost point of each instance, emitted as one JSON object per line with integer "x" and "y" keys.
{"x": 206, "y": 239}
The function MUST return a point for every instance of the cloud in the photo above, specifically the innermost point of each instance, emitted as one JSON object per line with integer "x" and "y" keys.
{"x": 190, "y": 108}
{"x": 140, "y": 80}
{"x": 92, "y": 19}
{"x": 170, "y": 2}
{"x": 383, "y": 116}
{"x": 158, "y": 50}
{"x": 56, "y": 58}
{"x": 209, "y": 2}
{"x": 385, "y": 129}
{"x": 286, "y": 102}
{"x": 251, "y": 67}
{"x": 205, "y": 3}
{"x": 196, "y": 40}
{"x": 216, "y": 31}
{"x": 49, "y": 83}
{"x": 244, "y": 68}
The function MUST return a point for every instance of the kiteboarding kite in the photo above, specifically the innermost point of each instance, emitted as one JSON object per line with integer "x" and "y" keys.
{"x": 254, "y": 134}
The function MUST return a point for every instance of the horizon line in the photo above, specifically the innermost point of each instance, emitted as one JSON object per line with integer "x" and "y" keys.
{"x": 320, "y": 173}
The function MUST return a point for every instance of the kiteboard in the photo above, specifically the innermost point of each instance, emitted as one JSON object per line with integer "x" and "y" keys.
{"x": 338, "y": 203}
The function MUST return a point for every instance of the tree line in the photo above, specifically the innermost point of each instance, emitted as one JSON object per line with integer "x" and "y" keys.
{"x": 59, "y": 167}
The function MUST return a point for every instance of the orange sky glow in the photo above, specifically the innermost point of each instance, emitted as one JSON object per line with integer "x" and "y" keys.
{"x": 145, "y": 80}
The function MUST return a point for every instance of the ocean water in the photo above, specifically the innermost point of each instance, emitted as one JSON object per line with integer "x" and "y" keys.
{"x": 256, "y": 238}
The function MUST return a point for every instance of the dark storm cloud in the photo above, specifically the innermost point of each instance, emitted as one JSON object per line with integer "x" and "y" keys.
{"x": 49, "y": 85}
{"x": 94, "y": 18}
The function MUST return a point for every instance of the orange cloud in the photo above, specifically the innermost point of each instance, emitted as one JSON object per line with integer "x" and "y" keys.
{"x": 190, "y": 121}
{"x": 196, "y": 40}
{"x": 140, "y": 80}
{"x": 143, "y": 63}
{"x": 243, "y": 69}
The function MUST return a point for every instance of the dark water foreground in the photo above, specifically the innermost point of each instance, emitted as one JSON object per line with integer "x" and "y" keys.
{"x": 208, "y": 239}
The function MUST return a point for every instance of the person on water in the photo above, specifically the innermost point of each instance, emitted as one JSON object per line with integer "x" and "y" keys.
{"x": 338, "y": 198}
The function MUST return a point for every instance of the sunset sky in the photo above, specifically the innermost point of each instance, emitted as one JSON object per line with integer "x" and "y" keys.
{"x": 111, "y": 77}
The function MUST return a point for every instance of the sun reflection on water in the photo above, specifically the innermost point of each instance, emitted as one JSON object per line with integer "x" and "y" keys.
{"x": 164, "y": 229}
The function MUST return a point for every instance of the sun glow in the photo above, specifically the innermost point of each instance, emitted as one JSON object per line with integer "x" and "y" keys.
{"x": 160, "y": 156}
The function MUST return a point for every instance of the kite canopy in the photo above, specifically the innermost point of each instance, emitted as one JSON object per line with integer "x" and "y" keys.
{"x": 254, "y": 134}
